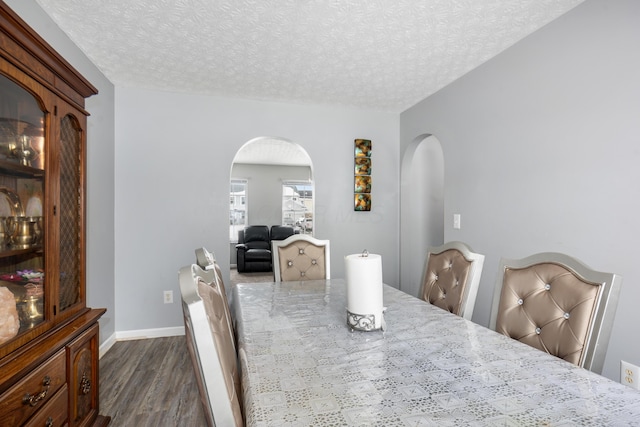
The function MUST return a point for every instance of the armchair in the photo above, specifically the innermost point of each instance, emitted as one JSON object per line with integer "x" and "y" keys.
{"x": 254, "y": 246}
{"x": 254, "y": 249}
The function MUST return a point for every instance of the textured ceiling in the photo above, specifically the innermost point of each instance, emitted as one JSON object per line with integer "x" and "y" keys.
{"x": 267, "y": 151}
{"x": 380, "y": 54}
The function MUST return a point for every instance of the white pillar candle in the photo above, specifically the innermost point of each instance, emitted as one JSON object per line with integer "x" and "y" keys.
{"x": 364, "y": 285}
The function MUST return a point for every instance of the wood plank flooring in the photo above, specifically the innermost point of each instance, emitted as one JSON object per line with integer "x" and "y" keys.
{"x": 150, "y": 383}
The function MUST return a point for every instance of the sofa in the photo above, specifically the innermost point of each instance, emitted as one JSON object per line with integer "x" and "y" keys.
{"x": 254, "y": 246}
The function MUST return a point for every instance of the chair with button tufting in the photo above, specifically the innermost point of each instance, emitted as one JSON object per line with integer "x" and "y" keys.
{"x": 451, "y": 278}
{"x": 210, "y": 345}
{"x": 301, "y": 257}
{"x": 557, "y": 304}
{"x": 206, "y": 260}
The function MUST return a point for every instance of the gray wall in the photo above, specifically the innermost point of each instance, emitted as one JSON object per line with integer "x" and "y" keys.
{"x": 422, "y": 208}
{"x": 542, "y": 153}
{"x": 173, "y": 163}
{"x": 100, "y": 163}
{"x": 264, "y": 193}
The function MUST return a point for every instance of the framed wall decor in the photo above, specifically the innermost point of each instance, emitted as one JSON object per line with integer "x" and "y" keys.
{"x": 362, "y": 175}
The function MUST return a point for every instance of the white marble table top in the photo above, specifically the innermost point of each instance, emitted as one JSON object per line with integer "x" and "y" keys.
{"x": 303, "y": 366}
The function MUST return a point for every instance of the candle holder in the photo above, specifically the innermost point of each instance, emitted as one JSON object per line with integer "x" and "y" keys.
{"x": 364, "y": 292}
{"x": 361, "y": 322}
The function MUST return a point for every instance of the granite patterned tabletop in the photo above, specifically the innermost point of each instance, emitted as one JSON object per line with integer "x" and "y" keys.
{"x": 303, "y": 366}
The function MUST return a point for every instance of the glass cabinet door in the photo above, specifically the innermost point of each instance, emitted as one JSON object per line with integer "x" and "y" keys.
{"x": 22, "y": 175}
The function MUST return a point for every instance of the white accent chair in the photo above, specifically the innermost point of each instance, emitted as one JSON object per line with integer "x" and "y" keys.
{"x": 211, "y": 347}
{"x": 301, "y": 257}
{"x": 451, "y": 278}
{"x": 557, "y": 304}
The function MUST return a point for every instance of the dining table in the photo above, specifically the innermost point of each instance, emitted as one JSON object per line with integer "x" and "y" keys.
{"x": 302, "y": 365}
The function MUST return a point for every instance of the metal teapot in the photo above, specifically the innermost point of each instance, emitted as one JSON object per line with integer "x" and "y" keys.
{"x": 22, "y": 230}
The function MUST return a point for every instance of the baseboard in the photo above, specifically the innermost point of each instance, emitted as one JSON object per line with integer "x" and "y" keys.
{"x": 142, "y": 334}
{"x": 106, "y": 345}
{"x": 139, "y": 334}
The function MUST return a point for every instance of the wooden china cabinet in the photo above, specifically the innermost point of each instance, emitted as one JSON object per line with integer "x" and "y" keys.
{"x": 48, "y": 336}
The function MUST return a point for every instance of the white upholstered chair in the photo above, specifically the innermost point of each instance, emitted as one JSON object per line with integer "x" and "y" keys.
{"x": 300, "y": 257}
{"x": 451, "y": 278}
{"x": 204, "y": 258}
{"x": 211, "y": 347}
{"x": 557, "y": 304}
{"x": 207, "y": 261}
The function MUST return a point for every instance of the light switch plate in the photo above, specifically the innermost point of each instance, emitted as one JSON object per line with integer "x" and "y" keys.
{"x": 456, "y": 221}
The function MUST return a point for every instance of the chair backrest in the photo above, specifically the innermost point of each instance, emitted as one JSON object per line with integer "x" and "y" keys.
{"x": 207, "y": 261}
{"x": 204, "y": 258}
{"x": 451, "y": 278}
{"x": 301, "y": 257}
{"x": 255, "y": 237}
{"x": 281, "y": 232}
{"x": 211, "y": 346}
{"x": 557, "y": 304}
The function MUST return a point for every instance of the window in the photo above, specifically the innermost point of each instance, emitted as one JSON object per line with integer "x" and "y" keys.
{"x": 297, "y": 205}
{"x": 237, "y": 207}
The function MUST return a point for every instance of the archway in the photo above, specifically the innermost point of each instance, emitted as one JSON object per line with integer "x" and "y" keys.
{"x": 421, "y": 207}
{"x": 263, "y": 172}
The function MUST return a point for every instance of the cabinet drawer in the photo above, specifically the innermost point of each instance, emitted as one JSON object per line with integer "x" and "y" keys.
{"x": 54, "y": 413}
{"x": 27, "y": 396}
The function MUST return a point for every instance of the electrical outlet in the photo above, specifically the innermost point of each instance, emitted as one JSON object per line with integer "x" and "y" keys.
{"x": 629, "y": 375}
{"x": 168, "y": 297}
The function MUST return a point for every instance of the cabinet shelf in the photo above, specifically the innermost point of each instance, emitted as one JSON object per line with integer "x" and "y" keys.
{"x": 20, "y": 171}
{"x": 8, "y": 252}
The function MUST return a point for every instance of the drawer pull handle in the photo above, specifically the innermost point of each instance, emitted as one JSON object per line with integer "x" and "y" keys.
{"x": 33, "y": 400}
{"x": 85, "y": 384}
{"x": 49, "y": 422}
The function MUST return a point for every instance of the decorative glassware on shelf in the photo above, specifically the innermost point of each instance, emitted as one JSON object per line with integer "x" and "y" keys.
{"x": 22, "y": 141}
{"x": 21, "y": 232}
{"x": 23, "y": 150}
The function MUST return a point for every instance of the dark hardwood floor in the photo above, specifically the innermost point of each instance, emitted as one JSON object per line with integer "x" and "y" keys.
{"x": 150, "y": 383}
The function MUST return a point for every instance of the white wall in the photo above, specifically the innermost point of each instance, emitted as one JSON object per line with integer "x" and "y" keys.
{"x": 100, "y": 164}
{"x": 173, "y": 162}
{"x": 542, "y": 153}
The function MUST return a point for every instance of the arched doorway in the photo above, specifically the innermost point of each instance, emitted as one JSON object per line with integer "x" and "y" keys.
{"x": 421, "y": 207}
{"x": 271, "y": 183}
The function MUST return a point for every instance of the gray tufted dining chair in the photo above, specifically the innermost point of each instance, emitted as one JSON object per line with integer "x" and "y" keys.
{"x": 301, "y": 257}
{"x": 211, "y": 347}
{"x": 557, "y": 304}
{"x": 451, "y": 278}
{"x": 206, "y": 260}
